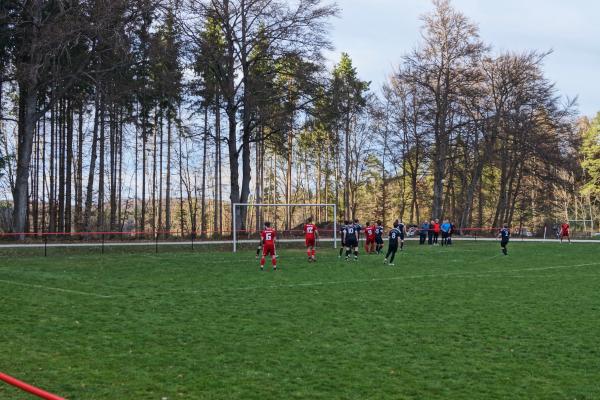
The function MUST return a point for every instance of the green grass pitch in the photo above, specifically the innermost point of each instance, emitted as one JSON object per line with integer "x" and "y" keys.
{"x": 444, "y": 323}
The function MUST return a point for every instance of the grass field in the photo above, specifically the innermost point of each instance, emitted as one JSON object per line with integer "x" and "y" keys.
{"x": 444, "y": 323}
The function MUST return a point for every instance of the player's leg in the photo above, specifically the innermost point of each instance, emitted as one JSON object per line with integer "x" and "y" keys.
{"x": 387, "y": 255}
{"x": 356, "y": 253}
{"x": 401, "y": 244}
{"x": 262, "y": 259}
{"x": 271, "y": 251}
{"x": 274, "y": 259}
{"x": 258, "y": 249}
{"x": 503, "y": 244}
{"x": 392, "y": 256}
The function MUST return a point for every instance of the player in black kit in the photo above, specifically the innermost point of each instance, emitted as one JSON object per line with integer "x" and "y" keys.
{"x": 504, "y": 238}
{"x": 379, "y": 237}
{"x": 394, "y": 237}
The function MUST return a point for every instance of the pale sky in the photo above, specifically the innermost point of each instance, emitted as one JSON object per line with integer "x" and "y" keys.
{"x": 376, "y": 33}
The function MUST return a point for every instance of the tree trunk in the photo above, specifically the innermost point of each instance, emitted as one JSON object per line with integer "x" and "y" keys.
{"x": 160, "y": 174}
{"x": 203, "y": 216}
{"x": 20, "y": 193}
{"x": 79, "y": 172}
{"x": 102, "y": 144}
{"x": 69, "y": 164}
{"x": 168, "y": 183}
{"x": 62, "y": 131}
{"x": 92, "y": 168}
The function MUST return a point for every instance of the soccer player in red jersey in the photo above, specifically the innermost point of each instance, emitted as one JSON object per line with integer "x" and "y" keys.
{"x": 370, "y": 238}
{"x": 268, "y": 236}
{"x": 564, "y": 232}
{"x": 310, "y": 234}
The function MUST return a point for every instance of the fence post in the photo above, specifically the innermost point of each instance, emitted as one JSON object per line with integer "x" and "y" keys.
{"x": 45, "y": 245}
{"x": 102, "y": 243}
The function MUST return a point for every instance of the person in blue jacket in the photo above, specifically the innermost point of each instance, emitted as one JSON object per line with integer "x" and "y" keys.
{"x": 423, "y": 232}
{"x": 445, "y": 228}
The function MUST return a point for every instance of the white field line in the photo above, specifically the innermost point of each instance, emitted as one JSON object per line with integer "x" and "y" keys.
{"x": 325, "y": 283}
{"x": 254, "y": 241}
{"x": 398, "y": 278}
{"x": 359, "y": 281}
{"x": 29, "y": 285}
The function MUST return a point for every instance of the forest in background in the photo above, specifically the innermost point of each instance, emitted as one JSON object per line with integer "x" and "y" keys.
{"x": 156, "y": 115}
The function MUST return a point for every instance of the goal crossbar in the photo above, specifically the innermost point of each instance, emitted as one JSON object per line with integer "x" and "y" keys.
{"x": 234, "y": 207}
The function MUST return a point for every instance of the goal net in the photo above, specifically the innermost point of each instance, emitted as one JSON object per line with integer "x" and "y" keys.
{"x": 287, "y": 219}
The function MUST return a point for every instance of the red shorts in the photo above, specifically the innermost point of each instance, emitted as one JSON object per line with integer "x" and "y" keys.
{"x": 269, "y": 248}
{"x": 310, "y": 241}
{"x": 565, "y": 233}
{"x": 370, "y": 240}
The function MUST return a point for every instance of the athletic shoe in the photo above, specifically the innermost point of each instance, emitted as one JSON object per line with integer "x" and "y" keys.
{"x": 385, "y": 261}
{"x": 390, "y": 265}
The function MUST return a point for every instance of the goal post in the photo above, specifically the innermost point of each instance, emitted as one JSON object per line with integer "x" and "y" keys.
{"x": 234, "y": 207}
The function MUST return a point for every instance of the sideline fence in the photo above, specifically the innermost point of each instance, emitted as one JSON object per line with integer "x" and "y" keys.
{"x": 29, "y": 388}
{"x": 191, "y": 240}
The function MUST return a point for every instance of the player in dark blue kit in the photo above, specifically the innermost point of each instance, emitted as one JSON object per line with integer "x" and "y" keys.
{"x": 504, "y": 236}
{"x": 351, "y": 232}
{"x": 358, "y": 228}
{"x": 402, "y": 229}
{"x": 379, "y": 237}
{"x": 342, "y": 232}
{"x": 394, "y": 237}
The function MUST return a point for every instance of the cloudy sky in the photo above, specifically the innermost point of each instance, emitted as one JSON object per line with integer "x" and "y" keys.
{"x": 377, "y": 32}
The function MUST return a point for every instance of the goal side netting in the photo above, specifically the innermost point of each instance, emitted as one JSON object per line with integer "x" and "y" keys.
{"x": 287, "y": 219}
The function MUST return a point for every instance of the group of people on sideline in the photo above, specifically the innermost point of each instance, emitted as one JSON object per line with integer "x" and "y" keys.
{"x": 430, "y": 232}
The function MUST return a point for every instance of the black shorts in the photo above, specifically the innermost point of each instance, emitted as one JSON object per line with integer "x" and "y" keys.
{"x": 351, "y": 242}
{"x": 393, "y": 246}
{"x": 445, "y": 235}
{"x": 379, "y": 240}
{"x": 401, "y": 236}
{"x": 504, "y": 242}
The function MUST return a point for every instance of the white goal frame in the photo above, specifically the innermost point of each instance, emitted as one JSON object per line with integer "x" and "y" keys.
{"x": 234, "y": 207}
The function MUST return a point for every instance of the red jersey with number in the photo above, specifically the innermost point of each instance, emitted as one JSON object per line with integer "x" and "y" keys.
{"x": 268, "y": 236}
{"x": 565, "y": 229}
{"x": 370, "y": 232}
{"x": 309, "y": 231}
